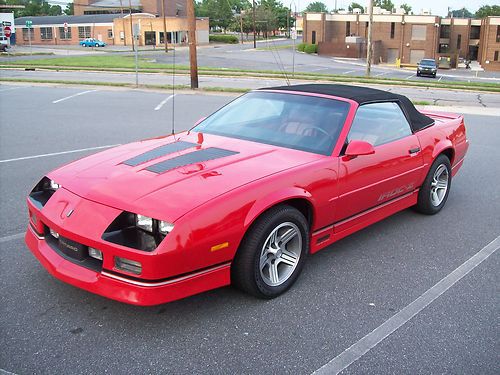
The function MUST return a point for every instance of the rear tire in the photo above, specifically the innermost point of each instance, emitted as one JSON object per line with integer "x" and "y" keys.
{"x": 272, "y": 254}
{"x": 436, "y": 187}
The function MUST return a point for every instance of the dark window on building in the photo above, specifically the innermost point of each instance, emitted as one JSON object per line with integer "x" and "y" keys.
{"x": 496, "y": 56}
{"x": 84, "y": 32}
{"x": 444, "y": 48}
{"x": 313, "y": 37}
{"x": 498, "y": 34}
{"x": 444, "y": 32}
{"x": 26, "y": 36}
{"x": 475, "y": 32}
{"x": 459, "y": 41}
{"x": 64, "y": 35}
{"x": 393, "y": 29}
{"x": 347, "y": 28}
{"x": 110, "y": 33}
{"x": 46, "y": 33}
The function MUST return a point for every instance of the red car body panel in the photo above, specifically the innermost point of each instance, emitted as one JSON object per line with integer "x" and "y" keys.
{"x": 212, "y": 204}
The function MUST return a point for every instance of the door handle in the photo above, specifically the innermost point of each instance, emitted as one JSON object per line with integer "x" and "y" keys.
{"x": 414, "y": 150}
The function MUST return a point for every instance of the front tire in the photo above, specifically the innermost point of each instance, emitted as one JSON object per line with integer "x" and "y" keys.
{"x": 436, "y": 187}
{"x": 272, "y": 254}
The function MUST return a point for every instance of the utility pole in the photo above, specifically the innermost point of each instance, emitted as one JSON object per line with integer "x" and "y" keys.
{"x": 192, "y": 43}
{"x": 164, "y": 25}
{"x": 369, "y": 41}
{"x": 254, "y": 36}
{"x": 123, "y": 23}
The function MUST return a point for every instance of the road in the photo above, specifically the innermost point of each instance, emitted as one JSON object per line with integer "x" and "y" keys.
{"x": 344, "y": 293}
{"x": 272, "y": 55}
{"x": 442, "y": 97}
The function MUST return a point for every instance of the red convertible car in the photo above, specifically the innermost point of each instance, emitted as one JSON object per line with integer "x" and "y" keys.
{"x": 245, "y": 196}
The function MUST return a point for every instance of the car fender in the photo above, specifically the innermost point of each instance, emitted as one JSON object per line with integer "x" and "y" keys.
{"x": 442, "y": 145}
{"x": 275, "y": 198}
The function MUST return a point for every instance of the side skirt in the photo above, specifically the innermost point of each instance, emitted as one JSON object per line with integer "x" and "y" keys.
{"x": 326, "y": 236}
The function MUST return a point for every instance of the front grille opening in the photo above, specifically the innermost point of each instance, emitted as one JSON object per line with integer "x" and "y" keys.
{"x": 72, "y": 251}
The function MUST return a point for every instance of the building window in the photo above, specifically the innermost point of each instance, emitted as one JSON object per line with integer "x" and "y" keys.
{"x": 475, "y": 32}
{"x": 418, "y": 32}
{"x": 459, "y": 41}
{"x": 393, "y": 29}
{"x": 347, "y": 28}
{"x": 313, "y": 37}
{"x": 495, "y": 58}
{"x": 26, "y": 36}
{"x": 64, "y": 34}
{"x": 445, "y": 31}
{"x": 84, "y": 32}
{"x": 498, "y": 34}
{"x": 444, "y": 48}
{"x": 110, "y": 33}
{"x": 46, "y": 33}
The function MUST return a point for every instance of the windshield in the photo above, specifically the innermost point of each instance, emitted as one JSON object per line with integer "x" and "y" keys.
{"x": 428, "y": 62}
{"x": 300, "y": 122}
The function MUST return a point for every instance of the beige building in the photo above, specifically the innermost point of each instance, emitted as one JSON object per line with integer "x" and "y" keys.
{"x": 112, "y": 29}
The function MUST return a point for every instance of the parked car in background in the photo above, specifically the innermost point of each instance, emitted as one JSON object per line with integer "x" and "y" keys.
{"x": 427, "y": 67}
{"x": 4, "y": 43}
{"x": 92, "y": 42}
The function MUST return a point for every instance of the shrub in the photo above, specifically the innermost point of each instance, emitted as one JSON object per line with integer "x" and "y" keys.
{"x": 311, "y": 48}
{"x": 231, "y": 39}
{"x": 301, "y": 46}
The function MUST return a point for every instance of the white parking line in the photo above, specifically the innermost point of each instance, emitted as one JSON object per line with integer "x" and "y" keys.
{"x": 317, "y": 69}
{"x": 162, "y": 103}
{"x": 380, "y": 74}
{"x": 12, "y": 88}
{"x": 72, "y": 96}
{"x": 363, "y": 346}
{"x": 11, "y": 237}
{"x": 413, "y": 75}
{"x": 57, "y": 153}
{"x": 349, "y": 71}
{"x": 440, "y": 78}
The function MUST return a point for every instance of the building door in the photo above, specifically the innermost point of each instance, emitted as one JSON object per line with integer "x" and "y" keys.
{"x": 416, "y": 55}
{"x": 150, "y": 38}
{"x": 473, "y": 50}
{"x": 392, "y": 55}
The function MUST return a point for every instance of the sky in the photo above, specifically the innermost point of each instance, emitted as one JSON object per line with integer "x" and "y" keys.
{"x": 437, "y": 7}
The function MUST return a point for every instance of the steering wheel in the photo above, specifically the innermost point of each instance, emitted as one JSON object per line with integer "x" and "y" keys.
{"x": 314, "y": 127}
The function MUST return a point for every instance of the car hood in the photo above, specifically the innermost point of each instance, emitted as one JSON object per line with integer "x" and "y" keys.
{"x": 108, "y": 178}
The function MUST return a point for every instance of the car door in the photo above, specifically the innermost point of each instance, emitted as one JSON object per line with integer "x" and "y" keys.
{"x": 367, "y": 181}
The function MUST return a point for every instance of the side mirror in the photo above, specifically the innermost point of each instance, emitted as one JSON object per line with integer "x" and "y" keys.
{"x": 358, "y": 148}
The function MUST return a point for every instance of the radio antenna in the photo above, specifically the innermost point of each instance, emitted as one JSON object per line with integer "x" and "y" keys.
{"x": 173, "y": 89}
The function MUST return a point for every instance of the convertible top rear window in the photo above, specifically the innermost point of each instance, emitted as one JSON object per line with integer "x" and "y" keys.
{"x": 300, "y": 122}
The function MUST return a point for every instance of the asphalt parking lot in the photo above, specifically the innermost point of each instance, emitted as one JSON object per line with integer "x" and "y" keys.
{"x": 344, "y": 293}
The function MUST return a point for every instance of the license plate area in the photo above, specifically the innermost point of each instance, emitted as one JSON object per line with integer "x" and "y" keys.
{"x": 72, "y": 249}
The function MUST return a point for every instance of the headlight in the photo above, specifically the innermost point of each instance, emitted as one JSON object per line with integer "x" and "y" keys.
{"x": 144, "y": 222}
{"x": 42, "y": 192}
{"x": 54, "y": 185}
{"x": 165, "y": 227}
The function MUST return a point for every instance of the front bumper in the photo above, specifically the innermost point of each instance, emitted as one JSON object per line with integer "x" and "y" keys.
{"x": 120, "y": 287}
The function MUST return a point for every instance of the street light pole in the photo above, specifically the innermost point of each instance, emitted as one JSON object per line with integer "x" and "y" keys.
{"x": 369, "y": 41}
{"x": 254, "y": 36}
{"x": 131, "y": 31}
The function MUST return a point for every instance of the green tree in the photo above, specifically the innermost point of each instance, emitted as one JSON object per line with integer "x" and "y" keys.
{"x": 406, "y": 7}
{"x": 70, "y": 9}
{"x": 384, "y": 4}
{"x": 317, "y": 6}
{"x": 461, "y": 13}
{"x": 488, "y": 10}
{"x": 354, "y": 6}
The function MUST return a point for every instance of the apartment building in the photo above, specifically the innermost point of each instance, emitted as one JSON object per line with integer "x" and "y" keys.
{"x": 406, "y": 38}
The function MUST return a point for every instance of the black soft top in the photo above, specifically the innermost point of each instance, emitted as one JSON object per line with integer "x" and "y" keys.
{"x": 364, "y": 95}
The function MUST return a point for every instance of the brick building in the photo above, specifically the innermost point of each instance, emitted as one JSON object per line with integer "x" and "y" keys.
{"x": 173, "y": 8}
{"x": 406, "y": 38}
{"x": 114, "y": 29}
